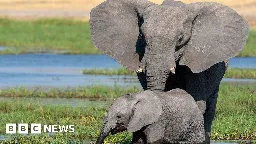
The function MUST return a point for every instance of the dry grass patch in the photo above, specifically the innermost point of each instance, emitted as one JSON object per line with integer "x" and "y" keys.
{"x": 89, "y": 4}
{"x": 75, "y": 8}
{"x": 48, "y": 4}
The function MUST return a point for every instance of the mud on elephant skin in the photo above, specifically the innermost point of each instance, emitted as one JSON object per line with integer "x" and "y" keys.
{"x": 156, "y": 117}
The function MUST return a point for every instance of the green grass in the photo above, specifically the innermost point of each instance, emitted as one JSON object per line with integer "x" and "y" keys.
{"x": 236, "y": 113}
{"x": 235, "y": 118}
{"x": 87, "y": 122}
{"x": 241, "y": 73}
{"x": 120, "y": 71}
{"x": 64, "y": 36}
{"x": 99, "y": 92}
{"x": 230, "y": 73}
{"x": 46, "y": 35}
{"x": 250, "y": 47}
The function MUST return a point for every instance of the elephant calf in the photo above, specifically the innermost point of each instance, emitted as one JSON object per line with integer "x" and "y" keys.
{"x": 156, "y": 117}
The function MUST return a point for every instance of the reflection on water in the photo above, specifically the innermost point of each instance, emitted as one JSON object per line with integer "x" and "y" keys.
{"x": 53, "y": 70}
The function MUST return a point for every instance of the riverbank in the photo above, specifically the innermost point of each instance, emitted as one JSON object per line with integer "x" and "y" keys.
{"x": 235, "y": 118}
{"x": 240, "y": 73}
{"x": 119, "y": 71}
{"x": 63, "y": 36}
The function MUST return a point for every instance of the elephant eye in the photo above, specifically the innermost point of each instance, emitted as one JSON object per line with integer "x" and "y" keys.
{"x": 118, "y": 116}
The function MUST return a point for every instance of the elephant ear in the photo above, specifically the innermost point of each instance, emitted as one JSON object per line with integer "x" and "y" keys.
{"x": 115, "y": 29}
{"x": 146, "y": 111}
{"x": 218, "y": 34}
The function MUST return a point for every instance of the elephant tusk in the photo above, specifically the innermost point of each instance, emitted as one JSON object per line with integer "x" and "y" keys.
{"x": 139, "y": 70}
{"x": 172, "y": 70}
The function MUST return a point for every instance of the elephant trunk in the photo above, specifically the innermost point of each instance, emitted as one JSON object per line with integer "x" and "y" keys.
{"x": 105, "y": 130}
{"x": 101, "y": 138}
{"x": 103, "y": 134}
{"x": 158, "y": 65}
{"x": 156, "y": 79}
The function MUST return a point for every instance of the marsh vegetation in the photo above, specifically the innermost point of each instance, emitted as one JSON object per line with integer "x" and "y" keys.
{"x": 235, "y": 117}
{"x": 62, "y": 36}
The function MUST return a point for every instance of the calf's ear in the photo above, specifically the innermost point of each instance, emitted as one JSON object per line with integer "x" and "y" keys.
{"x": 146, "y": 111}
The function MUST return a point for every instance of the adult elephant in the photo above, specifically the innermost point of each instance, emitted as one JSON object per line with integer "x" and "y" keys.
{"x": 173, "y": 45}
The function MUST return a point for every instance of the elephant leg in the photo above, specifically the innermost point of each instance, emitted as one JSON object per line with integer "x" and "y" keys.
{"x": 139, "y": 137}
{"x": 142, "y": 78}
{"x": 209, "y": 113}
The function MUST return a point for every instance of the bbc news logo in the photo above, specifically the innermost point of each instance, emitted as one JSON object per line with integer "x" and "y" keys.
{"x": 38, "y": 128}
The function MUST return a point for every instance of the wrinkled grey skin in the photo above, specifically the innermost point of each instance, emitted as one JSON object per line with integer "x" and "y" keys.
{"x": 156, "y": 117}
{"x": 195, "y": 40}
